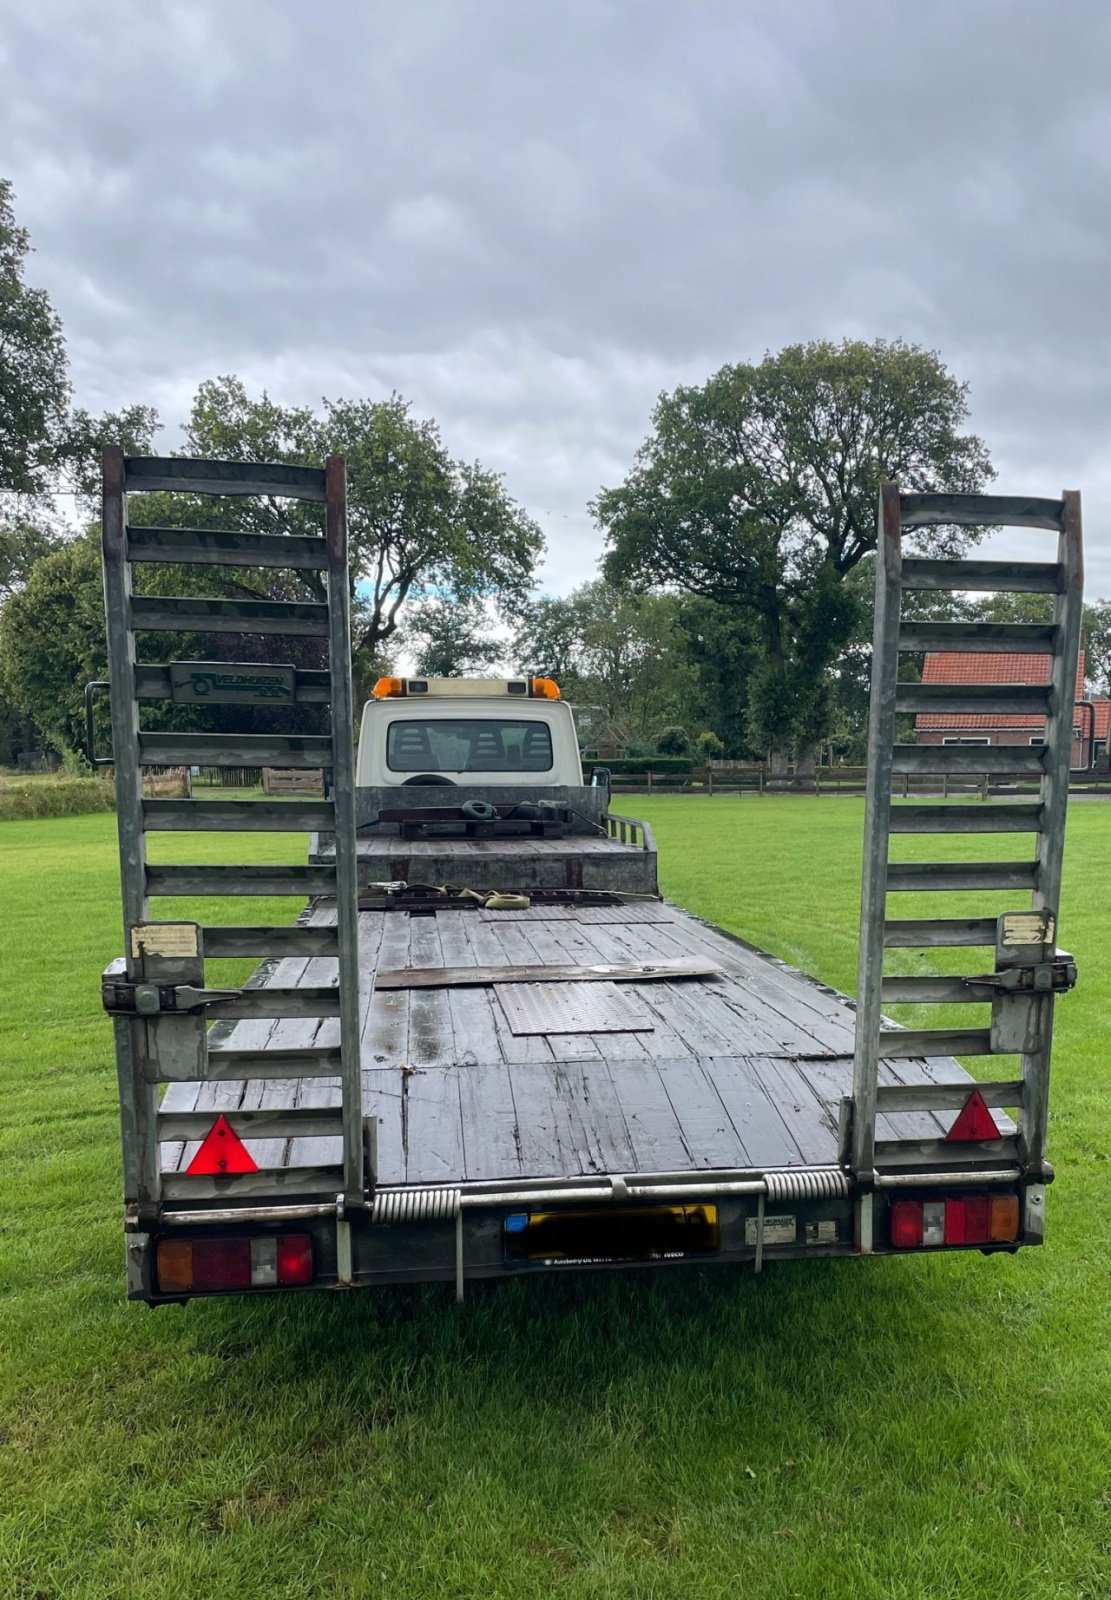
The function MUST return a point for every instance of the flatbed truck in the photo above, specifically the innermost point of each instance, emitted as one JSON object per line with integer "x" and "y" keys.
{"x": 488, "y": 1047}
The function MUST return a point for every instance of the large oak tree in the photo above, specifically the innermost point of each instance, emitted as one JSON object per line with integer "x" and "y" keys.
{"x": 758, "y": 491}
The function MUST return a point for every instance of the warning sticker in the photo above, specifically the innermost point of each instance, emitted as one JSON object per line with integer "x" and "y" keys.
{"x": 777, "y": 1230}
{"x": 823, "y": 1231}
{"x": 164, "y": 939}
{"x": 1028, "y": 927}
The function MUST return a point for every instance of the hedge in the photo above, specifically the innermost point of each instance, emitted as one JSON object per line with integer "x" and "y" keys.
{"x": 660, "y": 764}
{"x": 55, "y": 797}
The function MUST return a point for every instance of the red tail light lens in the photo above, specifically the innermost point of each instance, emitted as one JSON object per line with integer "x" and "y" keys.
{"x": 295, "y": 1258}
{"x": 207, "y": 1266}
{"x": 906, "y": 1224}
{"x": 967, "y": 1219}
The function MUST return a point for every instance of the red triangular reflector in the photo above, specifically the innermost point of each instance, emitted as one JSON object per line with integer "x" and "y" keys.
{"x": 974, "y": 1122}
{"x": 222, "y": 1151}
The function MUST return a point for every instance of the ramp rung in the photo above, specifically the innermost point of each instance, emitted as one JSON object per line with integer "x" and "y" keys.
{"x": 928, "y": 933}
{"x": 293, "y": 939}
{"x": 975, "y": 698}
{"x": 306, "y": 1000}
{"x": 891, "y": 1097}
{"x": 275, "y": 1183}
{"x": 160, "y": 614}
{"x": 1014, "y": 577}
{"x": 916, "y": 991}
{"x": 929, "y": 877}
{"x": 231, "y": 1065}
{"x": 233, "y": 750}
{"x": 212, "y": 547}
{"x": 967, "y": 817}
{"x": 221, "y": 880}
{"x": 290, "y": 1122}
{"x": 980, "y": 511}
{"x": 901, "y": 1044}
{"x": 927, "y": 1156}
{"x": 145, "y": 474}
{"x": 231, "y": 816}
{"x": 1008, "y": 638}
{"x": 310, "y": 685}
{"x": 941, "y": 758}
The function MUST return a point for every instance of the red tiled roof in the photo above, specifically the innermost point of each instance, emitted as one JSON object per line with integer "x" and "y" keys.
{"x": 960, "y": 666}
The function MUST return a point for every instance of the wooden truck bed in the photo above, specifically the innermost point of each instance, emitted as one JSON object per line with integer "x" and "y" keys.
{"x": 742, "y": 1070}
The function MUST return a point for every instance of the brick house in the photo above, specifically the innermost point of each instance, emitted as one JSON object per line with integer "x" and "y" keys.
{"x": 1091, "y": 720}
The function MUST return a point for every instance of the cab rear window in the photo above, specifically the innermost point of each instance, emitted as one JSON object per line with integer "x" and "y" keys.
{"x": 463, "y": 744}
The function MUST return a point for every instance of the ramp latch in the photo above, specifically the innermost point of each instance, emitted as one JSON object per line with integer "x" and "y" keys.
{"x": 1040, "y": 977}
{"x": 148, "y": 999}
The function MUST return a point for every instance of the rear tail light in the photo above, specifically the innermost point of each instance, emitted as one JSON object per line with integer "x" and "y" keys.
{"x": 205, "y": 1266}
{"x": 965, "y": 1219}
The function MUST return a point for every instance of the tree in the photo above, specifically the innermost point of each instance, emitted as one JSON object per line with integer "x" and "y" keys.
{"x": 417, "y": 518}
{"x": 674, "y": 741}
{"x": 34, "y": 385}
{"x": 452, "y": 637}
{"x": 608, "y": 646}
{"x": 758, "y": 491}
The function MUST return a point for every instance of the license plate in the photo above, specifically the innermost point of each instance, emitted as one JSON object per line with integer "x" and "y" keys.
{"x": 610, "y": 1234}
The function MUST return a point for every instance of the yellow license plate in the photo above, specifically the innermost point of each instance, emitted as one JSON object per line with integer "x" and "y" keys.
{"x": 609, "y": 1233}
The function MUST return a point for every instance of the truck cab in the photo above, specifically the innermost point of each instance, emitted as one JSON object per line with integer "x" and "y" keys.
{"x": 473, "y": 732}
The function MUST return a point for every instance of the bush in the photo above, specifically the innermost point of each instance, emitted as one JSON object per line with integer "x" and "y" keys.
{"x": 709, "y": 745}
{"x": 678, "y": 765}
{"x": 674, "y": 741}
{"x": 54, "y": 797}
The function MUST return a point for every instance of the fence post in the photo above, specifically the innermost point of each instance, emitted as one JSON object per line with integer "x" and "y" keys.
{"x": 984, "y": 791}
{"x": 945, "y": 786}
{"x": 709, "y": 779}
{"x": 649, "y": 777}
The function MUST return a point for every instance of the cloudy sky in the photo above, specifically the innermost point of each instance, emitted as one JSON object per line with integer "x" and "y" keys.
{"x": 530, "y": 216}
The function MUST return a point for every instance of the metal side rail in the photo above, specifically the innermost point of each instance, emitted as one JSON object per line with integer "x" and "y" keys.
{"x": 1022, "y": 971}
{"x": 157, "y": 993}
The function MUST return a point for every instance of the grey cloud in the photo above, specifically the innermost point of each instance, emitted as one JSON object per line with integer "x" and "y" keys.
{"x": 531, "y": 218}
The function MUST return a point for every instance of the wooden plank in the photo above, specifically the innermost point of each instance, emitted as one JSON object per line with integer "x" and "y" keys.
{"x": 707, "y": 1128}
{"x": 219, "y": 547}
{"x": 547, "y": 1147}
{"x": 654, "y": 1130}
{"x": 594, "y": 1116}
{"x": 799, "y": 1107}
{"x": 488, "y": 1122}
{"x": 265, "y": 1123}
{"x": 763, "y": 1133}
{"x": 145, "y": 474}
{"x": 1014, "y": 760}
{"x": 431, "y": 1125}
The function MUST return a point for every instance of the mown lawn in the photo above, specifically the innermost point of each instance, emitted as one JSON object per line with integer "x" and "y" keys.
{"x": 879, "y": 1429}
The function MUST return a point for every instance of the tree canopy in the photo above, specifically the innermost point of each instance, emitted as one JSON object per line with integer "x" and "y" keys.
{"x": 758, "y": 491}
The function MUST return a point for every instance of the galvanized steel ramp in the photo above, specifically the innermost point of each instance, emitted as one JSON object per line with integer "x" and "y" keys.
{"x": 1023, "y": 970}
{"x": 157, "y": 993}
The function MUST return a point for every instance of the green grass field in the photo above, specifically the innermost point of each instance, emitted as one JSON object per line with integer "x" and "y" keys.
{"x": 880, "y": 1429}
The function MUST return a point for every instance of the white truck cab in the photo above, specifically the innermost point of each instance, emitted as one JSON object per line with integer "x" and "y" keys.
{"x": 476, "y": 732}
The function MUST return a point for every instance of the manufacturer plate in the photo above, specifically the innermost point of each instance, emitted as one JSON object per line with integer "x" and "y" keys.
{"x": 777, "y": 1230}
{"x": 230, "y": 683}
{"x": 164, "y": 939}
{"x": 1027, "y": 927}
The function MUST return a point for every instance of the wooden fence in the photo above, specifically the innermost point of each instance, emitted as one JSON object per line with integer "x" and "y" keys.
{"x": 752, "y": 779}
